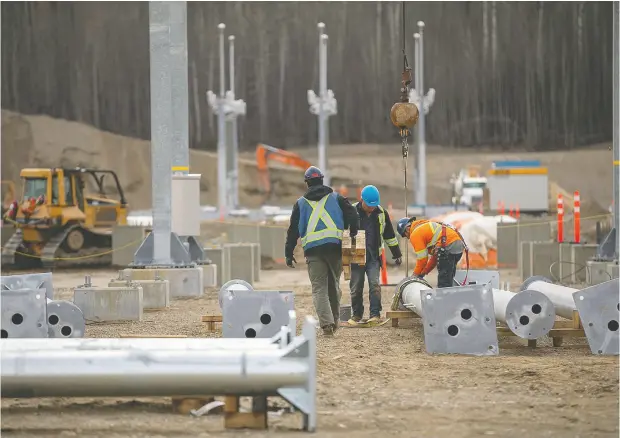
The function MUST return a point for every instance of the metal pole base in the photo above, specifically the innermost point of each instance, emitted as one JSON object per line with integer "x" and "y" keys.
{"x": 144, "y": 256}
{"x": 196, "y": 252}
{"x": 607, "y": 249}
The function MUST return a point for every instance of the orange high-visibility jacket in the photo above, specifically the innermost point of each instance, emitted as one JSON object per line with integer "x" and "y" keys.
{"x": 425, "y": 236}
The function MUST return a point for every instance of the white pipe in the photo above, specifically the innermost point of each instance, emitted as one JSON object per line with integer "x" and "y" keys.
{"x": 221, "y": 132}
{"x": 560, "y": 296}
{"x": 322, "y": 96}
{"x": 166, "y": 370}
{"x": 528, "y": 314}
{"x": 421, "y": 124}
{"x": 411, "y": 297}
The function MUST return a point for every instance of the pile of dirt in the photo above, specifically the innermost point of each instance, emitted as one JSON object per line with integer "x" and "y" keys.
{"x": 42, "y": 141}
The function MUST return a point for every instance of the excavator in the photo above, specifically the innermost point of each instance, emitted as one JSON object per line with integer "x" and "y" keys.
{"x": 265, "y": 153}
{"x": 59, "y": 224}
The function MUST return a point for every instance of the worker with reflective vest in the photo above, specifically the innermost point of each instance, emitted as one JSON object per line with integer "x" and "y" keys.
{"x": 319, "y": 219}
{"x": 376, "y": 222}
{"x": 434, "y": 244}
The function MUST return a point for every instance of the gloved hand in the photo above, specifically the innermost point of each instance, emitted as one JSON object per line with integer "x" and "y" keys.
{"x": 398, "y": 261}
{"x": 290, "y": 261}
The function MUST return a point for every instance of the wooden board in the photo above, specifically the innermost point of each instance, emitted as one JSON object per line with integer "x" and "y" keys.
{"x": 211, "y": 320}
{"x": 396, "y": 315}
{"x": 353, "y": 252}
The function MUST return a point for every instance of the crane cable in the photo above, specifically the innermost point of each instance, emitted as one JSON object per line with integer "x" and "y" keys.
{"x": 404, "y": 144}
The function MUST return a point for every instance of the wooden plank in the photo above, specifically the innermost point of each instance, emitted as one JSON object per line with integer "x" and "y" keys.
{"x": 401, "y": 314}
{"x": 211, "y": 318}
{"x": 151, "y": 336}
{"x": 246, "y": 420}
{"x": 567, "y": 333}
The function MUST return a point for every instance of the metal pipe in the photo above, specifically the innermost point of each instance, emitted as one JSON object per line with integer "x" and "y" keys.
{"x": 421, "y": 124}
{"x": 411, "y": 294}
{"x": 416, "y": 80}
{"x": 322, "y": 97}
{"x": 75, "y": 371}
{"x": 221, "y": 132}
{"x": 179, "y": 82}
{"x": 161, "y": 139}
{"x": 528, "y": 314}
{"x": 234, "y": 166}
{"x": 616, "y": 127}
{"x": 560, "y": 296}
{"x": 157, "y": 344}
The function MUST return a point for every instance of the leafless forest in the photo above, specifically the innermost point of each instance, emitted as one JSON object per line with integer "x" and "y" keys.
{"x": 536, "y": 74}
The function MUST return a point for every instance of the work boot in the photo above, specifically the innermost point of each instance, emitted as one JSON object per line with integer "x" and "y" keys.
{"x": 355, "y": 320}
{"x": 375, "y": 319}
{"x": 328, "y": 330}
{"x": 336, "y": 325}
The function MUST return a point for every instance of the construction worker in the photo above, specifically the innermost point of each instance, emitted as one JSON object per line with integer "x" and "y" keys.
{"x": 376, "y": 222}
{"x": 319, "y": 218}
{"x": 441, "y": 242}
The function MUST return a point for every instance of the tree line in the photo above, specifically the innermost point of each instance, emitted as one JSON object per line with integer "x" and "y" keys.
{"x": 533, "y": 74}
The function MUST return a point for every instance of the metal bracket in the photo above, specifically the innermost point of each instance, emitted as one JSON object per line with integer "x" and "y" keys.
{"x": 255, "y": 314}
{"x": 330, "y": 104}
{"x": 599, "y": 310}
{"x": 304, "y": 398}
{"x": 145, "y": 254}
{"x": 607, "y": 249}
{"x": 460, "y": 320}
{"x": 29, "y": 281}
{"x": 24, "y": 313}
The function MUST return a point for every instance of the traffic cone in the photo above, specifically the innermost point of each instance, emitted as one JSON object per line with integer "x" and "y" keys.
{"x": 384, "y": 278}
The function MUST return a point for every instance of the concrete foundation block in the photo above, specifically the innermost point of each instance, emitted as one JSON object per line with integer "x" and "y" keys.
{"x": 242, "y": 262}
{"x": 257, "y": 260}
{"x": 511, "y": 236}
{"x": 184, "y": 282}
{"x": 574, "y": 257}
{"x": 598, "y": 272}
{"x": 272, "y": 241}
{"x": 220, "y": 256}
{"x": 155, "y": 293}
{"x": 126, "y": 240}
{"x": 209, "y": 275}
{"x": 109, "y": 303}
{"x": 537, "y": 258}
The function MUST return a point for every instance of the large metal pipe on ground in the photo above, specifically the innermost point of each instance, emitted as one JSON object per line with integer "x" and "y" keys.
{"x": 166, "y": 370}
{"x": 560, "y": 296}
{"x": 409, "y": 290}
{"x": 528, "y": 314}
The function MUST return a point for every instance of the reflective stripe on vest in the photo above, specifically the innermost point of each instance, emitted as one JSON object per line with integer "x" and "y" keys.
{"x": 320, "y": 214}
{"x": 436, "y": 230}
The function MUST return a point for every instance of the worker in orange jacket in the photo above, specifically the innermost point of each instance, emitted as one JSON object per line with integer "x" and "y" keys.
{"x": 434, "y": 244}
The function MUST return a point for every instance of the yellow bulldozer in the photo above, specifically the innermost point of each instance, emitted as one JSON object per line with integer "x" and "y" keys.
{"x": 64, "y": 218}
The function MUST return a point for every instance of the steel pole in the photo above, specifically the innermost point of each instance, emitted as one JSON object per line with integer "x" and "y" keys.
{"x": 221, "y": 131}
{"x": 161, "y": 139}
{"x": 528, "y": 314}
{"x": 421, "y": 124}
{"x": 180, "y": 94}
{"x": 322, "y": 95}
{"x": 616, "y": 126}
{"x": 416, "y": 81}
{"x": 233, "y": 142}
{"x": 560, "y": 296}
{"x": 146, "y": 372}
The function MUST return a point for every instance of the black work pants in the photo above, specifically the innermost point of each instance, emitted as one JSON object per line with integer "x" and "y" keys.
{"x": 446, "y": 269}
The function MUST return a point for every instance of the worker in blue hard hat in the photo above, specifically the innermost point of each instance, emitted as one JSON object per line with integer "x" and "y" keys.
{"x": 376, "y": 222}
{"x": 319, "y": 218}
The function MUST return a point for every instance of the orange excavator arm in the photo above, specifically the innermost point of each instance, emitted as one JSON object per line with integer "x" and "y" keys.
{"x": 265, "y": 153}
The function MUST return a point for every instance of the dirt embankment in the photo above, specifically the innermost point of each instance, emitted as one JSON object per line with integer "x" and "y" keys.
{"x": 42, "y": 141}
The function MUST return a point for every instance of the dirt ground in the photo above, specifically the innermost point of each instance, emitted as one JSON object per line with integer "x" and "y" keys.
{"x": 377, "y": 381}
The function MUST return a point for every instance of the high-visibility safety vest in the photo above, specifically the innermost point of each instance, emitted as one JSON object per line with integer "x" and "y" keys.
{"x": 320, "y": 222}
{"x": 436, "y": 229}
{"x": 390, "y": 242}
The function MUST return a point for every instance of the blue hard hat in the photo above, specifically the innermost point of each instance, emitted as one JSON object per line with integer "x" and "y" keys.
{"x": 313, "y": 172}
{"x": 370, "y": 196}
{"x": 402, "y": 225}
